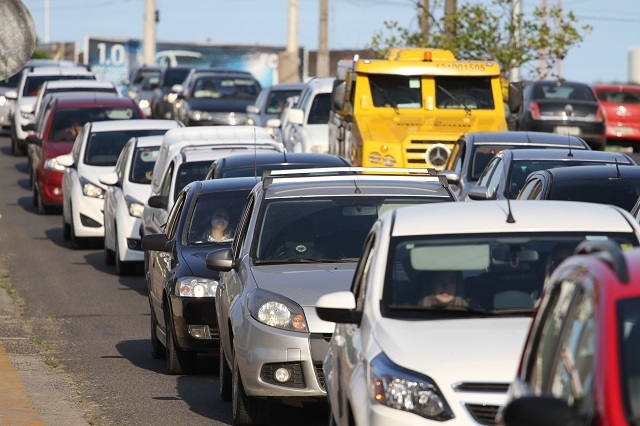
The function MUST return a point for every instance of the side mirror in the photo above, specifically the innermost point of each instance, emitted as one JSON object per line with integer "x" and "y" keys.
{"x": 156, "y": 242}
{"x": 296, "y": 116}
{"x": 338, "y": 95}
{"x": 32, "y": 139}
{"x": 539, "y": 410}
{"x": 452, "y": 177}
{"x": 478, "y": 193}
{"x": 252, "y": 109}
{"x": 65, "y": 160}
{"x": 158, "y": 201}
{"x": 274, "y": 122}
{"x": 110, "y": 179}
{"x": 338, "y": 307}
{"x": 515, "y": 97}
{"x": 177, "y": 88}
{"x": 220, "y": 260}
{"x": 11, "y": 94}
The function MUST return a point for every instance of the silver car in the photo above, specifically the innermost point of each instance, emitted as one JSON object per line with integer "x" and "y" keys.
{"x": 299, "y": 237}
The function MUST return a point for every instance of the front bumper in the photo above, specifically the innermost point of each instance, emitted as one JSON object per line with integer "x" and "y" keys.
{"x": 129, "y": 237}
{"x": 261, "y": 349}
{"x": 88, "y": 217}
{"x": 189, "y": 315}
{"x": 50, "y": 185}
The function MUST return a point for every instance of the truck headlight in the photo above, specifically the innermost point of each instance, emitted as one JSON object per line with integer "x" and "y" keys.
{"x": 406, "y": 390}
{"x": 90, "y": 189}
{"x": 144, "y": 103}
{"x": 134, "y": 206}
{"x": 196, "y": 287}
{"x": 276, "y": 310}
{"x": 52, "y": 164}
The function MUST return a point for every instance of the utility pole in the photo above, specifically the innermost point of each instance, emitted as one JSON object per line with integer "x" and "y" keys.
{"x": 450, "y": 9}
{"x": 516, "y": 11}
{"x": 424, "y": 21}
{"x": 288, "y": 62}
{"x": 322, "y": 61}
{"x": 149, "y": 37}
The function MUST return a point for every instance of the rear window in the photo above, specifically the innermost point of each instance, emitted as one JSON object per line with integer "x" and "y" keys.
{"x": 563, "y": 92}
{"x": 103, "y": 148}
{"x": 33, "y": 84}
{"x": 66, "y": 118}
{"x": 621, "y": 96}
{"x": 620, "y": 192}
{"x": 190, "y": 172}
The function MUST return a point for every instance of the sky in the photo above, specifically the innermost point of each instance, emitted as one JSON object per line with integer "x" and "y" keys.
{"x": 602, "y": 57}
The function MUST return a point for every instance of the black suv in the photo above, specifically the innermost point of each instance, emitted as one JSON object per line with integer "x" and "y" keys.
{"x": 164, "y": 96}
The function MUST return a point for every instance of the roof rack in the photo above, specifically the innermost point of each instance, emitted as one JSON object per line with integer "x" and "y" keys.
{"x": 268, "y": 176}
{"x": 224, "y": 147}
{"x": 610, "y": 252}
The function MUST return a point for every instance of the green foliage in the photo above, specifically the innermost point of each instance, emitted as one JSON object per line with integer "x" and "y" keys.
{"x": 40, "y": 54}
{"x": 482, "y": 32}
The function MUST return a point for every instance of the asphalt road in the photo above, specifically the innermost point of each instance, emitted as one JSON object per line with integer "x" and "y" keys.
{"x": 94, "y": 326}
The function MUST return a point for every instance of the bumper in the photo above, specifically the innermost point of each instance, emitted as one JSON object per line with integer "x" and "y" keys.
{"x": 88, "y": 217}
{"x": 261, "y": 349}
{"x": 129, "y": 236}
{"x": 623, "y": 133}
{"x": 192, "y": 314}
{"x": 592, "y": 132}
{"x": 50, "y": 184}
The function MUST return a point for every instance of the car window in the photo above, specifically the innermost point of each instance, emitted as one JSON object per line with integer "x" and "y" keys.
{"x": 189, "y": 172}
{"x": 320, "y": 107}
{"x": 103, "y": 148}
{"x": 243, "y": 226}
{"x": 144, "y": 158}
{"x": 480, "y": 157}
{"x": 362, "y": 272}
{"x": 165, "y": 186}
{"x": 618, "y": 192}
{"x": 496, "y": 177}
{"x": 391, "y": 91}
{"x": 628, "y": 325}
{"x": 464, "y": 92}
{"x": 174, "y": 216}
{"x": 573, "y": 374}
{"x": 483, "y": 180}
{"x": 215, "y": 217}
{"x": 121, "y": 164}
{"x": 530, "y": 190}
{"x": 621, "y": 96}
{"x": 277, "y": 100}
{"x": 42, "y": 124}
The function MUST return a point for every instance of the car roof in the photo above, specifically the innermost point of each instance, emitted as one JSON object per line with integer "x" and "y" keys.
{"x": 285, "y": 86}
{"x": 59, "y": 71}
{"x": 228, "y": 134}
{"x": 525, "y": 138}
{"x": 81, "y": 99}
{"x": 228, "y": 184}
{"x": 321, "y": 84}
{"x": 148, "y": 141}
{"x": 112, "y": 125}
{"x": 594, "y": 172}
{"x": 54, "y": 84}
{"x": 261, "y": 158}
{"x": 490, "y": 216}
{"x": 573, "y": 155}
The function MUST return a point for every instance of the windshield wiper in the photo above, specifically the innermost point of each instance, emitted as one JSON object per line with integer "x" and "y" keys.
{"x": 510, "y": 311}
{"x": 393, "y": 103}
{"x": 301, "y": 260}
{"x": 455, "y": 98}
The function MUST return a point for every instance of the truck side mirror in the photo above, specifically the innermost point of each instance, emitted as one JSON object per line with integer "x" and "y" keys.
{"x": 515, "y": 97}
{"x": 338, "y": 95}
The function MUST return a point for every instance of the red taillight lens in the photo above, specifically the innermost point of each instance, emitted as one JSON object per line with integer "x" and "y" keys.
{"x": 600, "y": 113}
{"x": 534, "y": 109}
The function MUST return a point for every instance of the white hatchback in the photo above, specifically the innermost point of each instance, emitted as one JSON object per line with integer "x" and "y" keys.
{"x": 439, "y": 309}
{"x": 128, "y": 188}
{"x": 96, "y": 151}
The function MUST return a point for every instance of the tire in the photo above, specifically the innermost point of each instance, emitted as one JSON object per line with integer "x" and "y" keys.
{"x": 42, "y": 207}
{"x": 158, "y": 351}
{"x": 109, "y": 255}
{"x": 178, "y": 361}
{"x": 34, "y": 197}
{"x": 122, "y": 267}
{"x": 226, "y": 387}
{"x": 247, "y": 410}
{"x": 15, "y": 149}
{"x": 66, "y": 228}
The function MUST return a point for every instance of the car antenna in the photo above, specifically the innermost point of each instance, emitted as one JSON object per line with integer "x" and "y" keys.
{"x": 510, "y": 218}
{"x": 618, "y": 169}
{"x": 569, "y": 139}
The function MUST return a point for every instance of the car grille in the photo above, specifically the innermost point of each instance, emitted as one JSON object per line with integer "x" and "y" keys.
{"x": 481, "y": 387}
{"x": 320, "y": 376}
{"x": 428, "y": 153}
{"x": 483, "y": 414}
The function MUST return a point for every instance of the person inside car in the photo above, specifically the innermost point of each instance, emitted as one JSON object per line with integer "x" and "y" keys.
{"x": 441, "y": 289}
{"x": 69, "y": 133}
{"x": 219, "y": 230}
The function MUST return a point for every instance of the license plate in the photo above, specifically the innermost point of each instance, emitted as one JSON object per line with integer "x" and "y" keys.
{"x": 567, "y": 130}
{"x": 621, "y": 130}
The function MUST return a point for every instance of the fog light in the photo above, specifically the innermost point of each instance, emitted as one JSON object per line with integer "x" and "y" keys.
{"x": 389, "y": 161}
{"x": 199, "y": 331}
{"x": 57, "y": 191}
{"x": 282, "y": 375}
{"x": 374, "y": 158}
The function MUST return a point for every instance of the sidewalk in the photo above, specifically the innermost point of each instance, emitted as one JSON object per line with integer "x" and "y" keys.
{"x": 31, "y": 392}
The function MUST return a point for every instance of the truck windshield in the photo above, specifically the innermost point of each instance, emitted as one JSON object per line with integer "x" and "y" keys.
{"x": 468, "y": 93}
{"x": 396, "y": 91}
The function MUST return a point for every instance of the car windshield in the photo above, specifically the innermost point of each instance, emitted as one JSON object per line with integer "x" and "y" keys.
{"x": 33, "y": 84}
{"x": 619, "y": 192}
{"x": 175, "y": 76}
{"x": 144, "y": 158}
{"x": 11, "y": 81}
{"x": 141, "y": 74}
{"x": 520, "y": 169}
{"x": 103, "y": 148}
{"x": 190, "y": 172}
{"x": 215, "y": 217}
{"x": 67, "y": 118}
{"x": 321, "y": 229}
{"x": 628, "y": 318}
{"x": 464, "y": 93}
{"x": 277, "y": 99}
{"x": 225, "y": 87}
{"x": 480, "y": 275}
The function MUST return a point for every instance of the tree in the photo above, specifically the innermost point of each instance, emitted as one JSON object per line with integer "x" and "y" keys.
{"x": 489, "y": 33}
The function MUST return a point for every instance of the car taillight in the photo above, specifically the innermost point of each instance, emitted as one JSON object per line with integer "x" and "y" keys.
{"x": 534, "y": 109}
{"x": 600, "y": 113}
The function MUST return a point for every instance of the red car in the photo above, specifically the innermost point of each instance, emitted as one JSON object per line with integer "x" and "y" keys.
{"x": 621, "y": 105}
{"x": 63, "y": 119}
{"x": 581, "y": 361}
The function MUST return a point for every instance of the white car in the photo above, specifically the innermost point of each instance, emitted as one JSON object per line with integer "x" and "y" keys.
{"x": 223, "y": 139}
{"x": 96, "y": 151}
{"x": 25, "y": 98}
{"x": 308, "y": 126}
{"x": 398, "y": 356}
{"x": 128, "y": 187}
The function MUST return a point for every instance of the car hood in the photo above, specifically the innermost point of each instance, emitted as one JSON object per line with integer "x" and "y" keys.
{"x": 456, "y": 350}
{"x": 304, "y": 283}
{"x": 220, "y": 105}
{"x": 53, "y": 149}
{"x": 317, "y": 134}
{"x": 195, "y": 257}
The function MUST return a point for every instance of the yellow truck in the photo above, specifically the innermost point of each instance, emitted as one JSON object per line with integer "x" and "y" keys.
{"x": 408, "y": 109}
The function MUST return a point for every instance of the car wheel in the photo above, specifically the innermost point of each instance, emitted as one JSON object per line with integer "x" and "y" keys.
{"x": 66, "y": 228}
{"x": 246, "y": 410}
{"x": 34, "y": 197}
{"x": 158, "y": 351}
{"x": 122, "y": 267}
{"x": 225, "y": 377}
{"x": 15, "y": 149}
{"x": 178, "y": 361}
{"x": 30, "y": 172}
{"x": 42, "y": 208}
{"x": 109, "y": 255}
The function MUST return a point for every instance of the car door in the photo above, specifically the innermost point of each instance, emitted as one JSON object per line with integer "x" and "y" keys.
{"x": 346, "y": 348}
{"x": 115, "y": 197}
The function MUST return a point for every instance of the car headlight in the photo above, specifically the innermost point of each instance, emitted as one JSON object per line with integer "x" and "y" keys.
{"x": 52, "y": 164}
{"x": 134, "y": 206}
{"x": 132, "y": 93}
{"x": 3, "y": 100}
{"x": 276, "y": 310}
{"x": 26, "y": 115}
{"x": 196, "y": 287}
{"x": 199, "y": 115}
{"x": 144, "y": 103}
{"x": 171, "y": 97}
{"x": 90, "y": 189}
{"x": 406, "y": 390}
